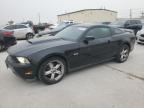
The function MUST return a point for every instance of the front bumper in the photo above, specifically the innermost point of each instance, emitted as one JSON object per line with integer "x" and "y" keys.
{"x": 24, "y": 71}
{"x": 140, "y": 39}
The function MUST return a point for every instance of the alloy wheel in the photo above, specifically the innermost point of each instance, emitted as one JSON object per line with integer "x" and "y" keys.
{"x": 29, "y": 36}
{"x": 54, "y": 70}
{"x": 124, "y": 54}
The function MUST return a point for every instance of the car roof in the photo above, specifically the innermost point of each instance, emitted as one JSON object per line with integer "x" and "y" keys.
{"x": 16, "y": 24}
{"x": 22, "y": 24}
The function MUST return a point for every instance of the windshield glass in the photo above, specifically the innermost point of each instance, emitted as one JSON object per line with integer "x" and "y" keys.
{"x": 60, "y": 27}
{"x": 72, "y": 33}
{"x": 120, "y": 22}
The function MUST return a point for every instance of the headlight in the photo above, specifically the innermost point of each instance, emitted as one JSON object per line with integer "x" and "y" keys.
{"x": 23, "y": 60}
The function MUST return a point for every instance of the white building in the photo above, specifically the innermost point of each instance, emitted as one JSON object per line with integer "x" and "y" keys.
{"x": 89, "y": 16}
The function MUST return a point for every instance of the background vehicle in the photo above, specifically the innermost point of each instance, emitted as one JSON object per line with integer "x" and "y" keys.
{"x": 54, "y": 31}
{"x": 53, "y": 26}
{"x": 36, "y": 28}
{"x": 74, "y": 47}
{"x": 7, "y": 39}
{"x": 140, "y": 36}
{"x": 41, "y": 27}
{"x": 21, "y": 31}
{"x": 29, "y": 23}
{"x": 135, "y": 25}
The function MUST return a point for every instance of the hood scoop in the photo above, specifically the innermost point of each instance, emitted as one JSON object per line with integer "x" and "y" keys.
{"x": 43, "y": 40}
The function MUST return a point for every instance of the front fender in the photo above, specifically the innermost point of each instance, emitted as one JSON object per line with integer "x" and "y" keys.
{"x": 38, "y": 58}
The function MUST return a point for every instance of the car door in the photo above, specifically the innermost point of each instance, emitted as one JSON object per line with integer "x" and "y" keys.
{"x": 116, "y": 40}
{"x": 20, "y": 31}
{"x": 101, "y": 47}
{"x": 77, "y": 53}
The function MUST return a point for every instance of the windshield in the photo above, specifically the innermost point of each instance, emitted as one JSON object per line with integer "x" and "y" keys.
{"x": 72, "y": 33}
{"x": 60, "y": 27}
{"x": 120, "y": 22}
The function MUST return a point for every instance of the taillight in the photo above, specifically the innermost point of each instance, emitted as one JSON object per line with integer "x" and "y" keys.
{"x": 8, "y": 34}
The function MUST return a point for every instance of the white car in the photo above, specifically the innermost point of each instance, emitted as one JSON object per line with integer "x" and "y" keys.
{"x": 140, "y": 36}
{"x": 21, "y": 31}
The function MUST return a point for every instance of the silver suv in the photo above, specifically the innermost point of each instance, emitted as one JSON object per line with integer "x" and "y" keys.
{"x": 21, "y": 31}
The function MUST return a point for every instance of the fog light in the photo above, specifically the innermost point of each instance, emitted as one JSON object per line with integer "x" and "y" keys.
{"x": 28, "y": 73}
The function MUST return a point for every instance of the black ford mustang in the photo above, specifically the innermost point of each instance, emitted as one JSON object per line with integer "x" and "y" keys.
{"x": 50, "y": 58}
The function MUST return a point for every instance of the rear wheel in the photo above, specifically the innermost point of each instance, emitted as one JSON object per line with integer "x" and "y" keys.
{"x": 29, "y": 36}
{"x": 52, "y": 71}
{"x": 123, "y": 53}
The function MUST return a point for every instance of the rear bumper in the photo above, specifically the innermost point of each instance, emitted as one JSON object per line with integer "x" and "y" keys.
{"x": 24, "y": 71}
{"x": 9, "y": 41}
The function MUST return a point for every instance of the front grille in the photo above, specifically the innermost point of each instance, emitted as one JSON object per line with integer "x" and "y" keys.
{"x": 142, "y": 35}
{"x": 141, "y": 40}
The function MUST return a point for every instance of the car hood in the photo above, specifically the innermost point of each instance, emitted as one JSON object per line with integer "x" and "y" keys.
{"x": 26, "y": 48}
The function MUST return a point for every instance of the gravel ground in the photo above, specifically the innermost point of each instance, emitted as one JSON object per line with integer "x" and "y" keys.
{"x": 107, "y": 85}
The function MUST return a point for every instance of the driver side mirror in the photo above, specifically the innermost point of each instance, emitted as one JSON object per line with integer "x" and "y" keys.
{"x": 127, "y": 25}
{"x": 89, "y": 38}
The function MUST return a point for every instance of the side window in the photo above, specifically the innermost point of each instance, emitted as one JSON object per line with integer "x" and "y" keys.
{"x": 133, "y": 22}
{"x": 117, "y": 31}
{"x": 99, "y": 32}
{"x": 138, "y": 22}
{"x": 128, "y": 22}
{"x": 12, "y": 27}
{"x": 20, "y": 26}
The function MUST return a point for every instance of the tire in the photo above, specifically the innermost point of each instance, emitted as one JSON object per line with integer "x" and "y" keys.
{"x": 2, "y": 47}
{"x": 29, "y": 36}
{"x": 123, "y": 54}
{"x": 52, "y": 70}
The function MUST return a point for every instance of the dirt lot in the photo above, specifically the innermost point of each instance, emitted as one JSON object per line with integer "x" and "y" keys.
{"x": 107, "y": 85}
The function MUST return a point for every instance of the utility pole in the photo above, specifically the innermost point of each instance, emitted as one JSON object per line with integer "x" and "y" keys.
{"x": 39, "y": 17}
{"x": 142, "y": 14}
{"x": 130, "y": 13}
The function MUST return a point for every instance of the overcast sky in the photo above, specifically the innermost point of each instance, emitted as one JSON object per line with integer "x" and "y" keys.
{"x": 22, "y": 10}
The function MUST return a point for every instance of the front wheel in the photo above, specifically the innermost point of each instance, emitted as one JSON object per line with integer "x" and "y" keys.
{"x": 52, "y": 71}
{"x": 123, "y": 54}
